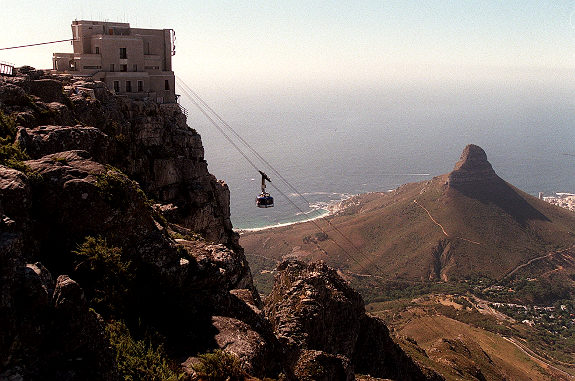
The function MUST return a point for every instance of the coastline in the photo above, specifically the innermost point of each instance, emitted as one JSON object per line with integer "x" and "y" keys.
{"x": 330, "y": 209}
{"x": 323, "y": 214}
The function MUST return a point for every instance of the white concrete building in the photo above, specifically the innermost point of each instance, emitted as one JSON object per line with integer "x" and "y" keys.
{"x": 131, "y": 61}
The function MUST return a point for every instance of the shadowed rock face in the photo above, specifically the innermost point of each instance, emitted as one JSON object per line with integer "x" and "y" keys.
{"x": 472, "y": 167}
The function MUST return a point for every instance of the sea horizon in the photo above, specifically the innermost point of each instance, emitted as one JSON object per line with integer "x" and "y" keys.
{"x": 338, "y": 141}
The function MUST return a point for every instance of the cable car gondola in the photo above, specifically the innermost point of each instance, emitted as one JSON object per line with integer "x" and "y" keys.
{"x": 264, "y": 200}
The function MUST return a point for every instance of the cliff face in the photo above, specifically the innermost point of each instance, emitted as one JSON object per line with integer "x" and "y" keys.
{"x": 150, "y": 143}
{"x": 83, "y": 246}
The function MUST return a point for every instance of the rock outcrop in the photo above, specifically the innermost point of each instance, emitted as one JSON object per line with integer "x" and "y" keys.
{"x": 327, "y": 334}
{"x": 150, "y": 143}
{"x": 472, "y": 168}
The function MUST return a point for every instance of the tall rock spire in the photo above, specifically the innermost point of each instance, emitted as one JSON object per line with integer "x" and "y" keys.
{"x": 472, "y": 167}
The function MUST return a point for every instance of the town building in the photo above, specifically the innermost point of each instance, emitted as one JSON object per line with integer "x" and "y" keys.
{"x": 131, "y": 61}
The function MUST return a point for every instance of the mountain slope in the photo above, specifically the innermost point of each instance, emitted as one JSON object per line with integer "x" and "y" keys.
{"x": 466, "y": 223}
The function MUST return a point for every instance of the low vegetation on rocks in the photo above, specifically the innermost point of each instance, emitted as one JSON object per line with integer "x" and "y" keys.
{"x": 11, "y": 154}
{"x": 106, "y": 276}
{"x": 219, "y": 366}
{"x": 139, "y": 359}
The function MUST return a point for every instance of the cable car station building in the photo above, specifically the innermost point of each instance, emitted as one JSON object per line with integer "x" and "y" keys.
{"x": 133, "y": 62}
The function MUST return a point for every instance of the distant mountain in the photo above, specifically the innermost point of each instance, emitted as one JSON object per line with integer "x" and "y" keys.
{"x": 467, "y": 223}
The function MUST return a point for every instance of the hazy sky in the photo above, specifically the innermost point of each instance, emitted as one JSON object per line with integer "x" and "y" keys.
{"x": 271, "y": 42}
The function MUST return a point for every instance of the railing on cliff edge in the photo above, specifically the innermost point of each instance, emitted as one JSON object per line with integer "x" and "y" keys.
{"x": 6, "y": 68}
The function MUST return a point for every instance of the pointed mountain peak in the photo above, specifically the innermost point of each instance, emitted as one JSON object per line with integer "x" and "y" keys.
{"x": 472, "y": 167}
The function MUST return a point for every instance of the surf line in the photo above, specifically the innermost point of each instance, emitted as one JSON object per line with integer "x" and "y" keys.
{"x": 441, "y": 226}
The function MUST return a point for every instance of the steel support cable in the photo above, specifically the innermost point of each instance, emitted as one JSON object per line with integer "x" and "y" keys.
{"x": 182, "y": 83}
{"x": 273, "y": 185}
{"x": 347, "y": 254}
{"x": 40, "y": 43}
{"x": 292, "y": 188}
{"x": 203, "y": 111}
{"x": 222, "y": 131}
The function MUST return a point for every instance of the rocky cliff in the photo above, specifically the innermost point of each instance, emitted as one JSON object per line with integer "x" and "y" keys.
{"x": 322, "y": 323}
{"x": 150, "y": 143}
{"x": 108, "y": 214}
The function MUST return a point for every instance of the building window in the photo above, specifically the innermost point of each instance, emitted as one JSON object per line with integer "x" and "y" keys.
{"x": 166, "y": 85}
{"x": 123, "y": 53}
{"x": 97, "y": 50}
{"x": 135, "y": 67}
{"x": 123, "y": 67}
{"x": 128, "y": 86}
{"x": 140, "y": 86}
{"x": 117, "y": 86}
{"x": 112, "y": 67}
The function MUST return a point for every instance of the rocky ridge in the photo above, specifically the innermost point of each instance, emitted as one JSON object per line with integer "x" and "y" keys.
{"x": 83, "y": 244}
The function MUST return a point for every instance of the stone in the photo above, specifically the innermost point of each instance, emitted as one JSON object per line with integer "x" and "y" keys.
{"x": 45, "y": 140}
{"x": 253, "y": 349}
{"x": 15, "y": 197}
{"x": 12, "y": 95}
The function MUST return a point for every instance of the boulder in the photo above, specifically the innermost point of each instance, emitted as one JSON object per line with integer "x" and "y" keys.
{"x": 15, "y": 196}
{"x": 12, "y": 95}
{"x": 320, "y": 366}
{"x": 255, "y": 351}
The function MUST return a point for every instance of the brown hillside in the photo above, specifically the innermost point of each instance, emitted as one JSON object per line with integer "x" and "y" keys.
{"x": 467, "y": 222}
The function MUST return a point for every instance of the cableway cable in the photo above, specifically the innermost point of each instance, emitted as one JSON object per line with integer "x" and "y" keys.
{"x": 197, "y": 102}
{"x": 203, "y": 106}
{"x": 263, "y": 160}
{"x": 39, "y": 43}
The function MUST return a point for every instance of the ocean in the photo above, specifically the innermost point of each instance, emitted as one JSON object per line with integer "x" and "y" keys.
{"x": 334, "y": 141}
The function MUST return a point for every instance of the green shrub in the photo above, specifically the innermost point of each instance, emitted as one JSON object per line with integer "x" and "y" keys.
{"x": 138, "y": 359}
{"x": 219, "y": 366}
{"x": 105, "y": 275}
{"x": 11, "y": 155}
{"x": 7, "y": 127}
{"x": 117, "y": 189}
